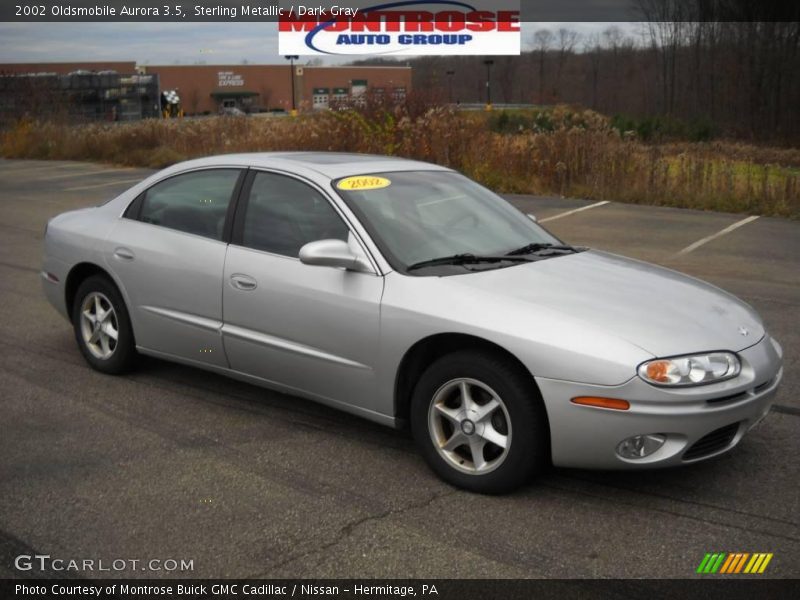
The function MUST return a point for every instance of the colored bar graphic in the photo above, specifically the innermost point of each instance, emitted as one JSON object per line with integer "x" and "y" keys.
{"x": 731, "y": 564}
{"x": 754, "y": 563}
{"x": 734, "y": 563}
{"x": 765, "y": 563}
{"x": 718, "y": 564}
{"x": 740, "y": 564}
{"x": 711, "y": 562}
{"x": 727, "y": 564}
{"x": 703, "y": 563}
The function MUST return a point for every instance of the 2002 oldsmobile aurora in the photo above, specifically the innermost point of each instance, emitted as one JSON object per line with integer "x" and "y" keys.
{"x": 403, "y": 292}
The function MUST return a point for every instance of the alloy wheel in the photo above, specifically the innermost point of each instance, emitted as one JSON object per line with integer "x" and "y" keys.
{"x": 99, "y": 325}
{"x": 469, "y": 426}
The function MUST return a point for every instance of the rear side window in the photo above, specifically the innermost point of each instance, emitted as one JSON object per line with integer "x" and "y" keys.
{"x": 283, "y": 214}
{"x": 194, "y": 202}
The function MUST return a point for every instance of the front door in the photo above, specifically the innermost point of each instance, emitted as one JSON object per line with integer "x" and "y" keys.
{"x": 308, "y": 328}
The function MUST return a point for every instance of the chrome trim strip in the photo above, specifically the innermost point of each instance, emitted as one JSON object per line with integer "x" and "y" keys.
{"x": 186, "y": 318}
{"x": 275, "y": 342}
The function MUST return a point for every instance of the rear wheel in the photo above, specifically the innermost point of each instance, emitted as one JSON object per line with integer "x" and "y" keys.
{"x": 102, "y": 326}
{"x": 480, "y": 423}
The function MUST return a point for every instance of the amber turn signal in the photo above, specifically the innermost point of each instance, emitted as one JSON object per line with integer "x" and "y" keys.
{"x": 612, "y": 403}
{"x": 657, "y": 370}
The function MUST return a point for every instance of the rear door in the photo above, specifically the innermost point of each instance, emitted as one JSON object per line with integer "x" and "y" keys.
{"x": 169, "y": 253}
{"x": 309, "y": 328}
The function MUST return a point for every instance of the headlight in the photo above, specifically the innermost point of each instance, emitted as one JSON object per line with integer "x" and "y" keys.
{"x": 696, "y": 369}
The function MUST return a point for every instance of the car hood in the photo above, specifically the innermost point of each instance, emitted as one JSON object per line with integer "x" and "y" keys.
{"x": 659, "y": 310}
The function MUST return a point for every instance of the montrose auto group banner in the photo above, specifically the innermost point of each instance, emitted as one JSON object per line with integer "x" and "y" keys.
{"x": 399, "y": 28}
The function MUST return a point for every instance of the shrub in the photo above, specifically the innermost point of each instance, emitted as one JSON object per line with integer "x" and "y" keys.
{"x": 563, "y": 151}
{"x": 665, "y": 128}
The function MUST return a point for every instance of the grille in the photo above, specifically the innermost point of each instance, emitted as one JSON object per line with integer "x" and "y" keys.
{"x": 733, "y": 398}
{"x": 717, "y": 440}
{"x": 764, "y": 385}
{"x": 742, "y": 395}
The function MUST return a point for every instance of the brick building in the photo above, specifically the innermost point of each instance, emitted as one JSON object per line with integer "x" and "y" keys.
{"x": 207, "y": 89}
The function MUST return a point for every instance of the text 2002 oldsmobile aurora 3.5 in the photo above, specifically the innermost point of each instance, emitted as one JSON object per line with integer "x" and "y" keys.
{"x": 406, "y": 293}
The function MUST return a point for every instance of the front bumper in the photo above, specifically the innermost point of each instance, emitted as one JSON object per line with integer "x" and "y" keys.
{"x": 698, "y": 422}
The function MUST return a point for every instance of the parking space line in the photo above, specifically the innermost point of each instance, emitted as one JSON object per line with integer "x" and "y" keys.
{"x": 714, "y": 236}
{"x": 99, "y": 185}
{"x": 25, "y": 170}
{"x": 572, "y": 212}
{"x": 86, "y": 174}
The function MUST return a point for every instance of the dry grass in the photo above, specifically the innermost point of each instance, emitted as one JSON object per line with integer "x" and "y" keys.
{"x": 580, "y": 155}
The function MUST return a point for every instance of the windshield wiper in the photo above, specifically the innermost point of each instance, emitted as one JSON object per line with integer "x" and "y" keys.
{"x": 464, "y": 259}
{"x": 541, "y": 247}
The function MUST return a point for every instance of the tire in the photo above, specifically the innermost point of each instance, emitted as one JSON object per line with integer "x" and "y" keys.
{"x": 505, "y": 408}
{"x": 96, "y": 343}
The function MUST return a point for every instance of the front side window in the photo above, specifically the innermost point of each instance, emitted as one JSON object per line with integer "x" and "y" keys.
{"x": 283, "y": 214}
{"x": 195, "y": 202}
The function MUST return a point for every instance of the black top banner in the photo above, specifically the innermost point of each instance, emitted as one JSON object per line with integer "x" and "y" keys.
{"x": 265, "y": 10}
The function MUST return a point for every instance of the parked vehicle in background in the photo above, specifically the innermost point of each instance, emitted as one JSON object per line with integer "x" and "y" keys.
{"x": 232, "y": 111}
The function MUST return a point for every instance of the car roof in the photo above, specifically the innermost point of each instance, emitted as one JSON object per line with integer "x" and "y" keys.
{"x": 329, "y": 164}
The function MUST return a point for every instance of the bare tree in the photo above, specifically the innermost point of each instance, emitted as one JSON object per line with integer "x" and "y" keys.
{"x": 594, "y": 51}
{"x": 542, "y": 41}
{"x": 567, "y": 39}
{"x": 666, "y": 26}
{"x": 506, "y": 69}
{"x": 613, "y": 40}
{"x": 734, "y": 78}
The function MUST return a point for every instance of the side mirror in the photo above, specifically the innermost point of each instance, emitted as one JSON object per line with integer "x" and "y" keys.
{"x": 333, "y": 253}
{"x": 533, "y": 218}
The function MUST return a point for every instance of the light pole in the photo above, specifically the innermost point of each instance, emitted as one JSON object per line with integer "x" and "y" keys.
{"x": 488, "y": 62}
{"x": 450, "y": 85}
{"x": 291, "y": 58}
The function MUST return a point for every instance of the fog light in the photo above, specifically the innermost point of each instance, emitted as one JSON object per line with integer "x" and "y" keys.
{"x": 640, "y": 446}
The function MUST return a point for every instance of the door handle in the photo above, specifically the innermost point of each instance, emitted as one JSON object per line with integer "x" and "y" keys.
{"x": 243, "y": 282}
{"x": 123, "y": 253}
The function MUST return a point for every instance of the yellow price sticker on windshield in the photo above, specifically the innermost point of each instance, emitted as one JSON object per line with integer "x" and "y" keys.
{"x": 363, "y": 182}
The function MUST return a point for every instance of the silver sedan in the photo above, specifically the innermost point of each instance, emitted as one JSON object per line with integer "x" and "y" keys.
{"x": 405, "y": 293}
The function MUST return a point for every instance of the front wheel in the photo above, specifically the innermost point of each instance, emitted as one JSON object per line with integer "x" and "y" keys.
{"x": 479, "y": 422}
{"x": 102, "y": 326}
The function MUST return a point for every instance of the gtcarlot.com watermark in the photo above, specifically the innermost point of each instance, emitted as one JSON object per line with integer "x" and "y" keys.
{"x": 45, "y": 562}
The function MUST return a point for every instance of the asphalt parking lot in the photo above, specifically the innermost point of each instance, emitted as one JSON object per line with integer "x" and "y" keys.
{"x": 175, "y": 463}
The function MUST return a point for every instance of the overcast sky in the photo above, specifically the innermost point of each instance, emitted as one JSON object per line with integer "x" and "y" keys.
{"x": 184, "y": 43}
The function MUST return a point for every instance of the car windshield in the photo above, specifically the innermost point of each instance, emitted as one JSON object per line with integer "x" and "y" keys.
{"x": 419, "y": 216}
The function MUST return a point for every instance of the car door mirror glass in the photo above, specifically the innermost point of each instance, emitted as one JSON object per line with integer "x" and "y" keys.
{"x": 333, "y": 253}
